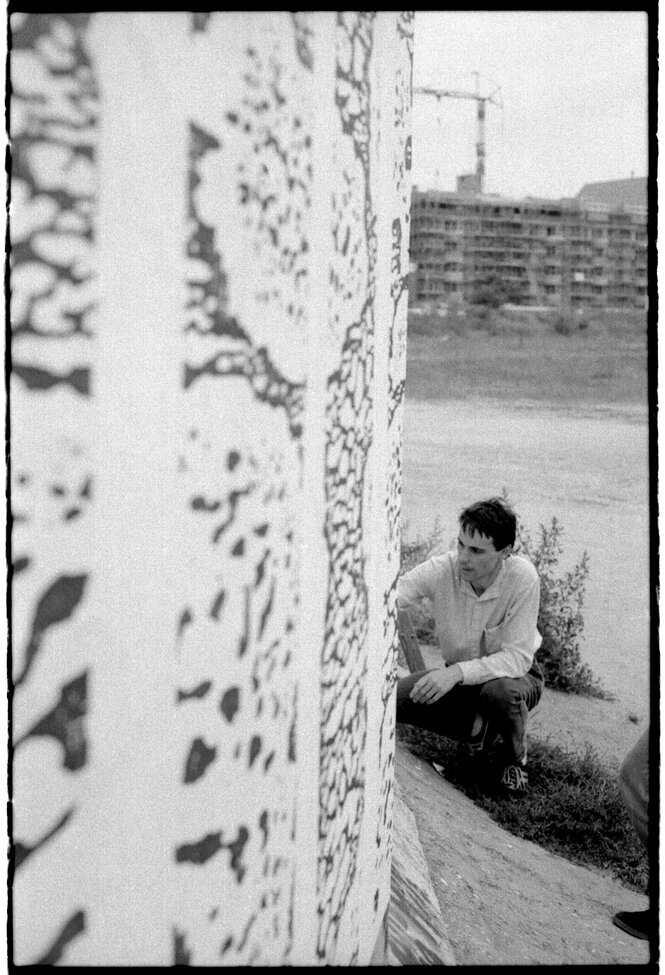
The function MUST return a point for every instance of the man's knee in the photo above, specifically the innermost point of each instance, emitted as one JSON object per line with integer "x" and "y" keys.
{"x": 405, "y": 686}
{"x": 500, "y": 694}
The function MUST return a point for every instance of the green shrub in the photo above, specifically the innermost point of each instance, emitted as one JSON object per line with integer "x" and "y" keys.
{"x": 560, "y": 618}
{"x": 413, "y": 553}
{"x": 573, "y": 806}
{"x": 493, "y": 291}
{"x": 419, "y": 549}
{"x": 563, "y": 324}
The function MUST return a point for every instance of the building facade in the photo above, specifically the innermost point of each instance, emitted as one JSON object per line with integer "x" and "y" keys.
{"x": 585, "y": 252}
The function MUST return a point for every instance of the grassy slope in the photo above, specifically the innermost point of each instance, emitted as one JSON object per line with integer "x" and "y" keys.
{"x": 572, "y": 807}
{"x": 511, "y": 359}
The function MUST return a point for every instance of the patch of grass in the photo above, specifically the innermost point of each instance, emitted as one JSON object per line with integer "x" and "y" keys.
{"x": 510, "y": 356}
{"x": 572, "y": 807}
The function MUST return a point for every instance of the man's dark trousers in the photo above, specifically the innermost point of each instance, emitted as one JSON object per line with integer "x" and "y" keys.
{"x": 505, "y": 701}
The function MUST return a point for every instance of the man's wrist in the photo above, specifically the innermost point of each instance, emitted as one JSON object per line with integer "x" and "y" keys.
{"x": 459, "y": 673}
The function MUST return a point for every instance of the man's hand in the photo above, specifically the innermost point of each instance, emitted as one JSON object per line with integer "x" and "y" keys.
{"x": 432, "y": 686}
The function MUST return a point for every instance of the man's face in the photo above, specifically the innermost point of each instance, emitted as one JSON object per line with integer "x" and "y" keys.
{"x": 478, "y": 559}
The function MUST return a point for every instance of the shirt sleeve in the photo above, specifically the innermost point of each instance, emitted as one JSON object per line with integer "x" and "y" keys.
{"x": 417, "y": 583}
{"x": 517, "y": 638}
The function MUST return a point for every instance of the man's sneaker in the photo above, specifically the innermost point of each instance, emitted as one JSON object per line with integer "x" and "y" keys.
{"x": 514, "y": 778}
{"x": 636, "y": 923}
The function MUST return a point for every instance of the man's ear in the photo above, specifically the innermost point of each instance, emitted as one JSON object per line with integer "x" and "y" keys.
{"x": 505, "y": 552}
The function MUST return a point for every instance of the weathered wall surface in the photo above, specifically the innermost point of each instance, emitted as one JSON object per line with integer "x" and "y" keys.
{"x": 209, "y": 231}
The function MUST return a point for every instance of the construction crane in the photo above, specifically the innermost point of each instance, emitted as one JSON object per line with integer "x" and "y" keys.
{"x": 494, "y": 98}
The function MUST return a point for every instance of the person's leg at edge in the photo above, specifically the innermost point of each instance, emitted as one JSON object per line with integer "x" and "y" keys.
{"x": 634, "y": 786}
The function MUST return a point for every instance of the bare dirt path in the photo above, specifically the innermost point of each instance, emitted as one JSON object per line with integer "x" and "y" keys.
{"x": 506, "y": 901}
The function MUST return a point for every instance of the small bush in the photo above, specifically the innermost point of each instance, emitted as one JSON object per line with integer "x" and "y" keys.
{"x": 412, "y": 554}
{"x": 563, "y": 324}
{"x": 418, "y": 549}
{"x": 573, "y": 805}
{"x": 560, "y": 619}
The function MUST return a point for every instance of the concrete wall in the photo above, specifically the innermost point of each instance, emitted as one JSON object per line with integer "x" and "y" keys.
{"x": 209, "y": 250}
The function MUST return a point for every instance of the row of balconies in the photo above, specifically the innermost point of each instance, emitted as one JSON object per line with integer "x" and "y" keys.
{"x": 520, "y": 273}
{"x": 433, "y": 288}
{"x": 552, "y": 267}
{"x": 512, "y": 231}
{"x": 583, "y": 249}
{"x": 545, "y": 256}
{"x": 506, "y": 223}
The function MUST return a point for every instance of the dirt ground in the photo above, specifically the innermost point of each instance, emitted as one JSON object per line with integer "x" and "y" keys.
{"x": 507, "y": 901}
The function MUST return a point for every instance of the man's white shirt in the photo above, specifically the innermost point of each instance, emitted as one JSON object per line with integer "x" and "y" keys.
{"x": 491, "y": 635}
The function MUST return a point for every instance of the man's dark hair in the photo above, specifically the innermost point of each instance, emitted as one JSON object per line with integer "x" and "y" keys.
{"x": 493, "y": 518}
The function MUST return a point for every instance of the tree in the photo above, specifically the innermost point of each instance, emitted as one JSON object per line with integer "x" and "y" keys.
{"x": 493, "y": 291}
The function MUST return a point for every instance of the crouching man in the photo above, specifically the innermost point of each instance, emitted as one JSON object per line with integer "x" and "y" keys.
{"x": 485, "y": 605}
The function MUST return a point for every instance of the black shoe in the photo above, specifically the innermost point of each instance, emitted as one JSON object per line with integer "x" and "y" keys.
{"x": 636, "y": 923}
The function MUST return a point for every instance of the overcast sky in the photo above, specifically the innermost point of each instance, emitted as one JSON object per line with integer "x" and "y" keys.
{"x": 574, "y": 88}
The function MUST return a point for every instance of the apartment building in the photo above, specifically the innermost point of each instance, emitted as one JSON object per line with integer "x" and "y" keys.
{"x": 582, "y": 252}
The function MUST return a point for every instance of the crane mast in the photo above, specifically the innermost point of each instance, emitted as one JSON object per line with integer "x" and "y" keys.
{"x": 481, "y": 100}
